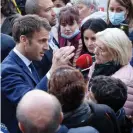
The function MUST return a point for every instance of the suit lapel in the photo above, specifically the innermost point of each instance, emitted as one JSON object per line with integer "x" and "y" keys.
{"x": 30, "y": 74}
{"x": 22, "y": 65}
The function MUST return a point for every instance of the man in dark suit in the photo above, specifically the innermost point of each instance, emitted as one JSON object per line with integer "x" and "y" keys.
{"x": 18, "y": 75}
{"x": 7, "y": 44}
{"x": 31, "y": 34}
{"x": 44, "y": 9}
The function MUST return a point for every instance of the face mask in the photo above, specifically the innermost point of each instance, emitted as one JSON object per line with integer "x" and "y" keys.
{"x": 116, "y": 18}
{"x": 77, "y": 31}
{"x": 57, "y": 10}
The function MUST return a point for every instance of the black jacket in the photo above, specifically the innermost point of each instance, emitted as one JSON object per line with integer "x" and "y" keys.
{"x": 99, "y": 116}
{"x": 6, "y": 27}
{"x": 7, "y": 44}
{"x": 124, "y": 123}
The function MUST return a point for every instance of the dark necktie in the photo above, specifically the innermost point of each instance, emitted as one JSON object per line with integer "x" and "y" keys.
{"x": 34, "y": 72}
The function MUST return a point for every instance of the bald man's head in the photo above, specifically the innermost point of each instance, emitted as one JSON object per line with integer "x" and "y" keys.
{"x": 38, "y": 112}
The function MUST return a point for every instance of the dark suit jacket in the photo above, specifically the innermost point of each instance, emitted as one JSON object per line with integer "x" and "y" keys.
{"x": 7, "y": 44}
{"x": 16, "y": 80}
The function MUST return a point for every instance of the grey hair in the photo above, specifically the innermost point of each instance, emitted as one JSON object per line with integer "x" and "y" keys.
{"x": 31, "y": 7}
{"x": 88, "y": 3}
{"x": 117, "y": 43}
{"x": 49, "y": 127}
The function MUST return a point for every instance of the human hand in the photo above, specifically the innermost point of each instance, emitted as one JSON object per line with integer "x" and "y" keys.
{"x": 130, "y": 118}
{"x": 62, "y": 56}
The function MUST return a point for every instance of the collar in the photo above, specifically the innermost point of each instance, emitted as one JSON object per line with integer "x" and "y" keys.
{"x": 50, "y": 36}
{"x": 22, "y": 57}
{"x": 51, "y": 42}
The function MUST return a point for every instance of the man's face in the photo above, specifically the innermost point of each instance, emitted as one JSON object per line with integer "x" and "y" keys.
{"x": 84, "y": 11}
{"x": 37, "y": 45}
{"x": 46, "y": 11}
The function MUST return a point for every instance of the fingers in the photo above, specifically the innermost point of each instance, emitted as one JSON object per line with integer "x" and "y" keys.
{"x": 64, "y": 51}
{"x": 69, "y": 56}
{"x": 62, "y": 56}
{"x": 68, "y": 50}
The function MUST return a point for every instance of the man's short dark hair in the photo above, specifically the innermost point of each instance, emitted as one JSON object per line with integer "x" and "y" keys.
{"x": 67, "y": 84}
{"x": 27, "y": 25}
{"x": 109, "y": 91}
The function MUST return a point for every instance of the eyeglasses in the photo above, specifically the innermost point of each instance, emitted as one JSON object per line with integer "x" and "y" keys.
{"x": 99, "y": 49}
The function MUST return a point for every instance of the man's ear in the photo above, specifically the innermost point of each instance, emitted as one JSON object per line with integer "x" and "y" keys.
{"x": 92, "y": 8}
{"x": 23, "y": 39}
{"x": 21, "y": 127}
{"x": 61, "y": 117}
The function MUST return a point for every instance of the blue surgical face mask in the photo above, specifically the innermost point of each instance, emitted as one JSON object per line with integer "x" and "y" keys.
{"x": 77, "y": 31}
{"x": 116, "y": 18}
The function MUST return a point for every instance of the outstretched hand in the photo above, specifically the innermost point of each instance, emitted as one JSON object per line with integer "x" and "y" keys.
{"x": 62, "y": 56}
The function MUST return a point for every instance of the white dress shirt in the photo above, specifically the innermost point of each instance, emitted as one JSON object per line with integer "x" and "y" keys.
{"x": 51, "y": 43}
{"x": 26, "y": 61}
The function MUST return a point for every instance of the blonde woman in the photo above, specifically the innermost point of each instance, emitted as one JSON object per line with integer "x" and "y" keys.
{"x": 113, "y": 53}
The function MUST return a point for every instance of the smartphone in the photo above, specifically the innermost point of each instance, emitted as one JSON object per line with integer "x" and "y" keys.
{"x": 125, "y": 28}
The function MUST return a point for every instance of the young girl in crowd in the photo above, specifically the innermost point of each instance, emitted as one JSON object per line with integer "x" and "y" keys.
{"x": 69, "y": 33}
{"x": 88, "y": 31}
{"x": 121, "y": 12}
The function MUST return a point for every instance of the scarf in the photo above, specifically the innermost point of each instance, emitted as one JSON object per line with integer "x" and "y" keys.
{"x": 106, "y": 69}
{"x": 76, "y": 42}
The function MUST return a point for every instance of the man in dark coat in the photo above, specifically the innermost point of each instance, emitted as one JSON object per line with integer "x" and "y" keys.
{"x": 7, "y": 44}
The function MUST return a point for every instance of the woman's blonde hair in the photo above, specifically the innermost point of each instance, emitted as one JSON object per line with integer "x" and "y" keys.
{"x": 117, "y": 43}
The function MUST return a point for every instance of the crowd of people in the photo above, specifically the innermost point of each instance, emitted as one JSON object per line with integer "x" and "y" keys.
{"x": 43, "y": 90}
